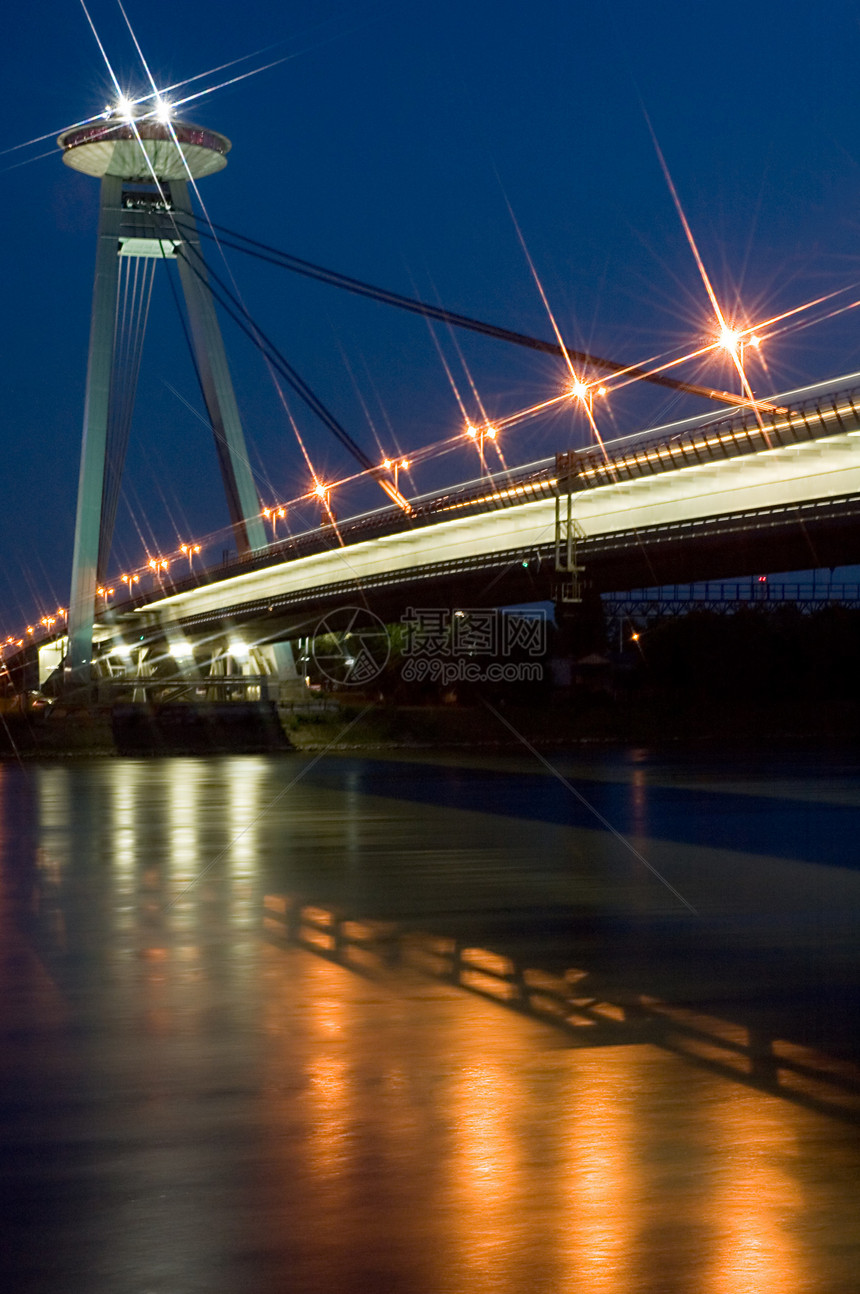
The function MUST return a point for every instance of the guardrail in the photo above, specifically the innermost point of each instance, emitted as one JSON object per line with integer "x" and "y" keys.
{"x": 733, "y": 437}
{"x": 729, "y": 595}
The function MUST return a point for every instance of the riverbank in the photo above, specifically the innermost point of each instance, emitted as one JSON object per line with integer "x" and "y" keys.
{"x": 352, "y": 722}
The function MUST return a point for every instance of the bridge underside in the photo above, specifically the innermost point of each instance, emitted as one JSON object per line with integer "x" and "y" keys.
{"x": 815, "y": 533}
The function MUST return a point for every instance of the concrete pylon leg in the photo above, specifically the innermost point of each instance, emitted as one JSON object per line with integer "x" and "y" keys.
{"x": 242, "y": 498}
{"x": 91, "y": 479}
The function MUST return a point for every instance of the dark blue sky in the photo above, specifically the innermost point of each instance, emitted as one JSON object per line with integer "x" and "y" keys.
{"x": 389, "y": 146}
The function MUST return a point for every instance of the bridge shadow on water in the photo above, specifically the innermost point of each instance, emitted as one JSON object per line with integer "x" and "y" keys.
{"x": 763, "y": 1041}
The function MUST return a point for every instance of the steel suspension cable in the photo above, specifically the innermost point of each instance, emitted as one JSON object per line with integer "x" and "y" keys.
{"x": 261, "y": 477}
{"x": 266, "y": 346}
{"x": 285, "y": 260}
{"x": 130, "y": 329}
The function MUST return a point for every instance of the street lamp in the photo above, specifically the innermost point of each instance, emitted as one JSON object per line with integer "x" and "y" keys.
{"x": 736, "y": 343}
{"x": 158, "y": 566}
{"x": 582, "y": 391}
{"x": 323, "y": 493}
{"x": 274, "y": 515}
{"x": 480, "y": 435}
{"x": 189, "y": 550}
{"x": 130, "y": 581}
{"x": 395, "y": 466}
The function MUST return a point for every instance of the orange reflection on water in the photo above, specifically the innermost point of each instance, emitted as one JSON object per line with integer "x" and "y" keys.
{"x": 601, "y": 1173}
{"x": 329, "y": 1146}
{"x": 758, "y": 1201}
{"x": 487, "y": 1108}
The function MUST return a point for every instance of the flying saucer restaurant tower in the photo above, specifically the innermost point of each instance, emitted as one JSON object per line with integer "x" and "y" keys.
{"x": 145, "y": 216}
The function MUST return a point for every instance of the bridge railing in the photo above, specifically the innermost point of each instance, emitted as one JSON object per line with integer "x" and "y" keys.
{"x": 729, "y": 595}
{"x": 733, "y": 437}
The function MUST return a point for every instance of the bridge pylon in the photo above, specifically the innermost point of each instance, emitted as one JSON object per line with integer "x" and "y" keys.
{"x": 145, "y": 166}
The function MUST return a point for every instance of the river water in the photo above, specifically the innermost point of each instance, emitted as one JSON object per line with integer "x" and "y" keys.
{"x": 430, "y": 1023}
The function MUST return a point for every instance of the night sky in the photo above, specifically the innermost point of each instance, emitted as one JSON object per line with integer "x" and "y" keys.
{"x": 398, "y": 143}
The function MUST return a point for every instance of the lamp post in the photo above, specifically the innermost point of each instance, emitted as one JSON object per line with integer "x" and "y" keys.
{"x": 158, "y": 566}
{"x": 395, "y": 466}
{"x": 189, "y": 550}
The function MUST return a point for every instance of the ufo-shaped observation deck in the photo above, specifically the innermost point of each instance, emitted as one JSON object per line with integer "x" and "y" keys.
{"x": 139, "y": 150}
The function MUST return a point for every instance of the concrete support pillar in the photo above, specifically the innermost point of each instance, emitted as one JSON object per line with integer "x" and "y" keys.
{"x": 242, "y": 498}
{"x": 97, "y": 403}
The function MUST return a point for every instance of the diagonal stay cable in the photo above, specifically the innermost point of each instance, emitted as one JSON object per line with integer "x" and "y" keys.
{"x": 266, "y": 346}
{"x": 285, "y": 260}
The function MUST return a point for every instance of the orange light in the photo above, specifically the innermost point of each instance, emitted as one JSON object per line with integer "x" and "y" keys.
{"x": 601, "y": 390}
{"x": 491, "y": 432}
{"x": 386, "y": 463}
{"x": 579, "y": 390}
{"x": 755, "y": 341}
{"x": 321, "y": 490}
{"x": 472, "y": 432}
{"x": 729, "y": 339}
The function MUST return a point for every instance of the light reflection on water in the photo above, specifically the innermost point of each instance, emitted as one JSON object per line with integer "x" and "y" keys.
{"x": 362, "y": 1132}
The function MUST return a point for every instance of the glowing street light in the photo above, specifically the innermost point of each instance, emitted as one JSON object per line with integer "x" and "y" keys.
{"x": 480, "y": 434}
{"x": 159, "y": 567}
{"x": 735, "y": 342}
{"x": 274, "y": 515}
{"x": 395, "y": 466}
{"x": 105, "y": 593}
{"x": 130, "y": 580}
{"x": 585, "y": 393}
{"x": 189, "y": 551}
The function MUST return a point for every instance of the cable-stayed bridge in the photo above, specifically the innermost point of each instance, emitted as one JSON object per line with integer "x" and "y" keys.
{"x": 772, "y": 485}
{"x": 697, "y": 500}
